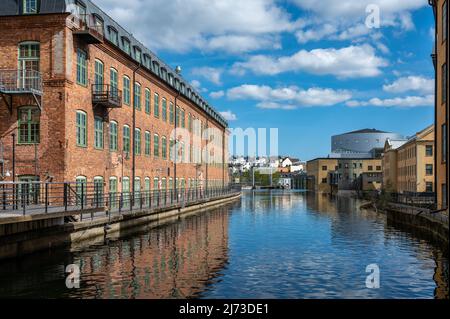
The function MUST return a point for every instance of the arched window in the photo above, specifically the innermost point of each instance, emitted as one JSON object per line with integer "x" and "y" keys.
{"x": 98, "y": 133}
{"x": 126, "y": 90}
{"x": 126, "y": 191}
{"x": 137, "y": 96}
{"x": 82, "y": 76}
{"x": 113, "y": 196}
{"x": 99, "y": 76}
{"x": 137, "y": 141}
{"x": 29, "y": 125}
{"x": 156, "y": 145}
{"x": 126, "y": 139}
{"x": 113, "y": 136}
{"x": 114, "y": 82}
{"x": 98, "y": 191}
{"x": 81, "y": 190}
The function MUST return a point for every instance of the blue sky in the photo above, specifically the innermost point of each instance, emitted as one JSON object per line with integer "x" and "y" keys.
{"x": 310, "y": 68}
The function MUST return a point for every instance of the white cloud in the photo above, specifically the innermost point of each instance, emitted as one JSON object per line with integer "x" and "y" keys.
{"x": 231, "y": 26}
{"x": 242, "y": 43}
{"x": 211, "y": 74}
{"x": 401, "y": 102}
{"x": 345, "y": 19}
{"x": 217, "y": 95}
{"x": 348, "y": 62}
{"x": 350, "y": 9}
{"x": 229, "y": 116}
{"x": 198, "y": 86}
{"x": 288, "y": 97}
{"x": 411, "y": 83}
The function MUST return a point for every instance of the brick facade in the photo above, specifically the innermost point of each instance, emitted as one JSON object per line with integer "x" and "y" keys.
{"x": 57, "y": 154}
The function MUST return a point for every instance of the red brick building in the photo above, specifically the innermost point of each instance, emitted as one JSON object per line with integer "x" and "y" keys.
{"x": 74, "y": 86}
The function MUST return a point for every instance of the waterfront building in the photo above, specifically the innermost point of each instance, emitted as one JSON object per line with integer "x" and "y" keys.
{"x": 319, "y": 170}
{"x": 389, "y": 164}
{"x": 440, "y": 60}
{"x": 351, "y": 170}
{"x": 83, "y": 100}
{"x": 408, "y": 166}
{"x": 365, "y": 143}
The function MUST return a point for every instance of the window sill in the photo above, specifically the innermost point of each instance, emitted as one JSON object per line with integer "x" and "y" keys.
{"x": 27, "y": 144}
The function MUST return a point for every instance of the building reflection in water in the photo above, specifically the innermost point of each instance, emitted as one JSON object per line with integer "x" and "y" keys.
{"x": 267, "y": 201}
{"x": 178, "y": 260}
{"x": 174, "y": 261}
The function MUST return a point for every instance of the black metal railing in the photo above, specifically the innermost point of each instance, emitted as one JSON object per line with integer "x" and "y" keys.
{"x": 107, "y": 95}
{"x": 87, "y": 24}
{"x": 426, "y": 200}
{"x": 17, "y": 81}
{"x": 22, "y": 198}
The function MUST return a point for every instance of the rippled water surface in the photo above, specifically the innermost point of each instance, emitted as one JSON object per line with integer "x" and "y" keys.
{"x": 268, "y": 245}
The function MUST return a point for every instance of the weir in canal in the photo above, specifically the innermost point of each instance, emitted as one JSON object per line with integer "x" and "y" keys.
{"x": 270, "y": 244}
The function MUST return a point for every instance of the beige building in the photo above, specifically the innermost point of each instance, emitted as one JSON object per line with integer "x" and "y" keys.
{"x": 318, "y": 174}
{"x": 389, "y": 164}
{"x": 350, "y": 171}
{"x": 408, "y": 166}
{"x": 329, "y": 175}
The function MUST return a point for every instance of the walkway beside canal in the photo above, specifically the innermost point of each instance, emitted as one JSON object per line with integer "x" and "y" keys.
{"x": 46, "y": 227}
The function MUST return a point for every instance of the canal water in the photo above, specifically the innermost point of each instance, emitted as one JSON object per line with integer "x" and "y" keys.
{"x": 271, "y": 244}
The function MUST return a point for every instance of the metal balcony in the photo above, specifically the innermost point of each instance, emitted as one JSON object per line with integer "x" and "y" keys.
{"x": 88, "y": 30}
{"x": 20, "y": 82}
{"x": 107, "y": 96}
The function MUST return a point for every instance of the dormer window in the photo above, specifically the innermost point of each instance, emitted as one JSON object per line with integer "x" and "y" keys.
{"x": 147, "y": 61}
{"x": 156, "y": 67}
{"x": 183, "y": 87}
{"x": 30, "y": 6}
{"x": 137, "y": 54}
{"x": 98, "y": 23}
{"x": 164, "y": 74}
{"x": 171, "y": 79}
{"x": 113, "y": 35}
{"x": 126, "y": 45}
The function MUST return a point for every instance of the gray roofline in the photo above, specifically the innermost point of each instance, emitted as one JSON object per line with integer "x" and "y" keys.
{"x": 108, "y": 21}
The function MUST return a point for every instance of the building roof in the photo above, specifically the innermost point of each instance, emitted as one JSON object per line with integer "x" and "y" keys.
{"x": 149, "y": 60}
{"x": 394, "y": 144}
{"x": 366, "y": 131}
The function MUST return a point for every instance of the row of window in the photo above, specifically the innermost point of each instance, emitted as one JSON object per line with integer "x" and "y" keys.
{"x": 412, "y": 186}
{"x": 161, "y": 109}
{"x": 148, "y": 184}
{"x": 161, "y": 147}
{"x": 411, "y": 170}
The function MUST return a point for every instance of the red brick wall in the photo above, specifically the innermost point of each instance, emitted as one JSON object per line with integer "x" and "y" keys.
{"x": 50, "y": 152}
{"x": 58, "y": 153}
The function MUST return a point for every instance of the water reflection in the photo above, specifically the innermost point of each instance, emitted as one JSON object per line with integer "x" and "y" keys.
{"x": 269, "y": 245}
{"x": 175, "y": 261}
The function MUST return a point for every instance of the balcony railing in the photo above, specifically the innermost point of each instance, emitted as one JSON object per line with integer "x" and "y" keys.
{"x": 106, "y": 95}
{"x": 88, "y": 29}
{"x": 20, "y": 82}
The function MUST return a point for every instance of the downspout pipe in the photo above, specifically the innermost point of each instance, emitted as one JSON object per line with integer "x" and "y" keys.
{"x": 133, "y": 133}
{"x": 175, "y": 145}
